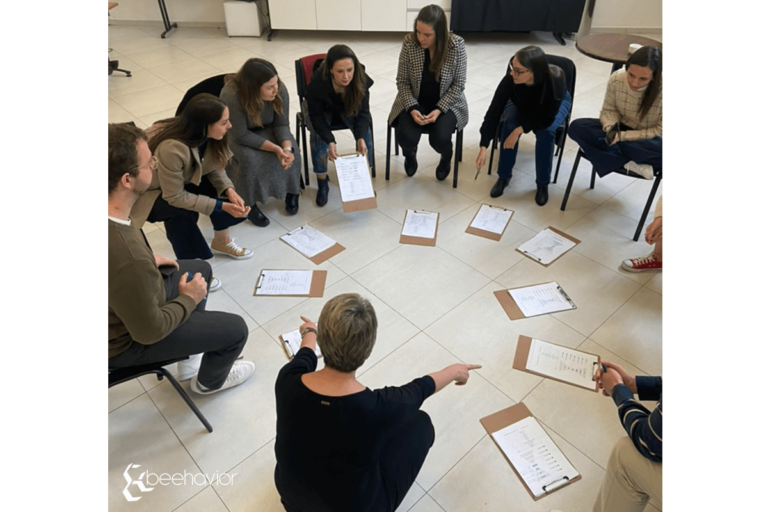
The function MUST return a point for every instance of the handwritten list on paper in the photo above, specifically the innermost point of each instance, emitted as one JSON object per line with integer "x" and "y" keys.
{"x": 308, "y": 241}
{"x": 354, "y": 180}
{"x": 541, "y": 299}
{"x": 284, "y": 282}
{"x": 562, "y": 363}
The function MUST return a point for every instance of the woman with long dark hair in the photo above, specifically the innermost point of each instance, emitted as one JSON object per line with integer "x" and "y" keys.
{"x": 631, "y": 110}
{"x": 338, "y": 94}
{"x": 265, "y": 161}
{"x": 189, "y": 179}
{"x": 430, "y": 89}
{"x": 531, "y": 97}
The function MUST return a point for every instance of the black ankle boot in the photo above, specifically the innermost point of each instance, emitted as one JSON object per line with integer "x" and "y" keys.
{"x": 322, "y": 192}
{"x": 291, "y": 203}
{"x": 444, "y": 167}
{"x": 257, "y": 217}
{"x": 499, "y": 187}
{"x": 411, "y": 164}
{"x": 542, "y": 195}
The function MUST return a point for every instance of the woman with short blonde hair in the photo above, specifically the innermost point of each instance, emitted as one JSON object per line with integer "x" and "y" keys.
{"x": 340, "y": 445}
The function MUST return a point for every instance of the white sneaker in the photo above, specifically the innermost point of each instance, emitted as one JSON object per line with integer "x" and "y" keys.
{"x": 189, "y": 368}
{"x": 232, "y": 250}
{"x": 241, "y": 371}
{"x": 644, "y": 170}
{"x": 215, "y": 284}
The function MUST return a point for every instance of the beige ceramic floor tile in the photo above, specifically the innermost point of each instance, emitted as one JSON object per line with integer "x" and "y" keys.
{"x": 253, "y": 486}
{"x": 121, "y": 394}
{"x": 206, "y": 501}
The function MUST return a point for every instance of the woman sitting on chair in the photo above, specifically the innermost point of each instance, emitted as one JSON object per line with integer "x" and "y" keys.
{"x": 342, "y": 446}
{"x": 532, "y": 97}
{"x": 632, "y": 106}
{"x": 191, "y": 154}
{"x": 265, "y": 159}
{"x": 430, "y": 89}
{"x": 338, "y": 95}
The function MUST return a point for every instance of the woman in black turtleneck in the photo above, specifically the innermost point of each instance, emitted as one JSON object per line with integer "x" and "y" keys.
{"x": 532, "y": 97}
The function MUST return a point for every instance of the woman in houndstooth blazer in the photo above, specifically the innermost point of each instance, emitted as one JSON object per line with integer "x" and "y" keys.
{"x": 430, "y": 89}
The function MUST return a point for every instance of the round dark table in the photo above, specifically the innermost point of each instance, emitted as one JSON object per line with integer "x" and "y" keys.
{"x": 612, "y": 48}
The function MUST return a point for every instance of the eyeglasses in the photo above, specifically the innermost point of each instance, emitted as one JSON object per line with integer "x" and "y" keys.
{"x": 518, "y": 72}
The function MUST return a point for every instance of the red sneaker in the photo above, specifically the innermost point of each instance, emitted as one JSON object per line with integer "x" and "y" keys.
{"x": 641, "y": 264}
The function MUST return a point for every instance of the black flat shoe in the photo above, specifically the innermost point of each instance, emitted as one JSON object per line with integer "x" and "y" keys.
{"x": 292, "y": 203}
{"x": 257, "y": 217}
{"x": 411, "y": 164}
{"x": 322, "y": 192}
{"x": 542, "y": 195}
{"x": 443, "y": 168}
{"x": 499, "y": 187}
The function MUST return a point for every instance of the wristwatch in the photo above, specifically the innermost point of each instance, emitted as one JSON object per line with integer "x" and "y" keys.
{"x": 306, "y": 330}
{"x": 289, "y": 148}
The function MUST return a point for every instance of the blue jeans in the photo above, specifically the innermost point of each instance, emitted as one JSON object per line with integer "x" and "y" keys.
{"x": 589, "y": 135}
{"x": 545, "y": 142}
{"x": 319, "y": 150}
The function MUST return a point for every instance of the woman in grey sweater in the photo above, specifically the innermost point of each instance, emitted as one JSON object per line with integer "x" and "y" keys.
{"x": 266, "y": 161}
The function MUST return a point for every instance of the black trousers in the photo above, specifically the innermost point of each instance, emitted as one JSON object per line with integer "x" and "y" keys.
{"x": 408, "y": 133}
{"x": 181, "y": 225}
{"x": 220, "y": 336}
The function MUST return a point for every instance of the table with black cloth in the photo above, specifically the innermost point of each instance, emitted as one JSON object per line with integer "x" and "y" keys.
{"x": 557, "y": 16}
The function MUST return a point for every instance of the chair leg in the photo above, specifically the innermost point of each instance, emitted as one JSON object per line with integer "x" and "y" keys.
{"x": 570, "y": 181}
{"x": 457, "y": 157}
{"x": 592, "y": 181}
{"x": 186, "y": 398}
{"x": 389, "y": 145}
{"x": 373, "y": 150}
{"x": 647, "y": 207}
{"x": 493, "y": 148}
{"x": 306, "y": 156}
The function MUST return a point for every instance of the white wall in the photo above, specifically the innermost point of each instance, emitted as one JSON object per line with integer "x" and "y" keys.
{"x": 626, "y": 14}
{"x": 608, "y": 14}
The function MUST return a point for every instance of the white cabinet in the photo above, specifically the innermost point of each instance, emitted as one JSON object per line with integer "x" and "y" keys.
{"x": 368, "y": 15}
{"x": 338, "y": 14}
{"x": 383, "y": 16}
{"x": 293, "y": 14}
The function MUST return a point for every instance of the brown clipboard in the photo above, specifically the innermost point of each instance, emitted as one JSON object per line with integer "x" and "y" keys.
{"x": 417, "y": 240}
{"x": 369, "y": 203}
{"x": 316, "y": 287}
{"x": 321, "y": 256}
{"x": 521, "y": 359}
{"x": 503, "y": 419}
{"x": 562, "y": 234}
{"x": 513, "y": 310}
{"x": 488, "y": 234}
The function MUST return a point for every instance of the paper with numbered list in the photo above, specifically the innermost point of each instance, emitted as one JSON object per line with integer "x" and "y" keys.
{"x": 492, "y": 219}
{"x": 292, "y": 341}
{"x": 562, "y": 363}
{"x": 541, "y": 299}
{"x": 308, "y": 241}
{"x": 547, "y": 246}
{"x": 420, "y": 224}
{"x": 536, "y": 458}
{"x": 284, "y": 282}
{"x": 354, "y": 179}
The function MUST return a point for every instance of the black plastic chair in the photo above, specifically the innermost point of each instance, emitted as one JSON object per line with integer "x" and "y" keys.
{"x": 648, "y": 203}
{"x": 569, "y": 68}
{"x": 457, "y": 153}
{"x": 120, "y": 375}
{"x": 305, "y": 68}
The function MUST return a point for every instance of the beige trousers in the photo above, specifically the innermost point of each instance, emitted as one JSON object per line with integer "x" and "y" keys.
{"x": 630, "y": 480}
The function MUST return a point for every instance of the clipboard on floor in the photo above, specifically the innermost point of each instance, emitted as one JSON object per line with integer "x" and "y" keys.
{"x": 491, "y": 217}
{"x": 302, "y": 240}
{"x": 513, "y": 309}
{"x": 355, "y": 184}
{"x": 523, "y": 350}
{"x": 285, "y": 283}
{"x": 499, "y": 422}
{"x": 409, "y": 223}
{"x": 551, "y": 246}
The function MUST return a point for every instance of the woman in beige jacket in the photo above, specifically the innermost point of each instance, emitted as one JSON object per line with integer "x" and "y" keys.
{"x": 189, "y": 179}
